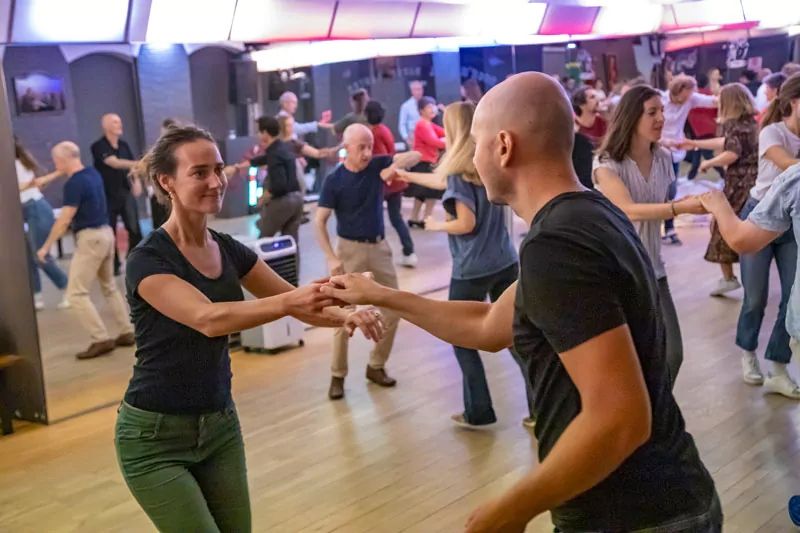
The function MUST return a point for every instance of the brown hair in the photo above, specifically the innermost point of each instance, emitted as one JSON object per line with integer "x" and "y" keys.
{"x": 781, "y": 106}
{"x": 457, "y": 160}
{"x": 160, "y": 159}
{"x": 735, "y": 102}
{"x": 24, "y": 156}
{"x": 359, "y": 100}
{"x": 618, "y": 140}
{"x": 680, "y": 83}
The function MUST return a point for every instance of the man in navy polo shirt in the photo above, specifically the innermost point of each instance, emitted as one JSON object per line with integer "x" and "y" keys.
{"x": 85, "y": 208}
{"x": 354, "y": 192}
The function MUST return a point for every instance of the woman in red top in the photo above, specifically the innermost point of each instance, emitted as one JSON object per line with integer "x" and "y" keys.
{"x": 428, "y": 141}
{"x": 393, "y": 193}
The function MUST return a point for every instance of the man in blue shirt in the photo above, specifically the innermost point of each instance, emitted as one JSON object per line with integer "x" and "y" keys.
{"x": 85, "y": 208}
{"x": 409, "y": 113}
{"x": 354, "y": 192}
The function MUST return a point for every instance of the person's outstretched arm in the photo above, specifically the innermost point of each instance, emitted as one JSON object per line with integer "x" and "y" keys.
{"x": 743, "y": 236}
{"x": 479, "y": 325}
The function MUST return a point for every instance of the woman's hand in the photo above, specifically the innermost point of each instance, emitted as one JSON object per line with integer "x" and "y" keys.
{"x": 690, "y": 205}
{"x": 705, "y": 165}
{"x": 402, "y": 175}
{"x": 307, "y": 303}
{"x": 369, "y": 321}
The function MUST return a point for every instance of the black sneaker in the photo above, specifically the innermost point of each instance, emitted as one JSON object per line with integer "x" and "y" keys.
{"x": 671, "y": 239}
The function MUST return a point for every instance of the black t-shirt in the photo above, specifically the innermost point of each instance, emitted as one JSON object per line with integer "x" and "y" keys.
{"x": 179, "y": 370}
{"x": 115, "y": 180}
{"x": 281, "y": 169}
{"x": 584, "y": 272}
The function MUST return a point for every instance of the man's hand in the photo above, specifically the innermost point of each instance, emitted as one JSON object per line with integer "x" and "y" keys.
{"x": 355, "y": 289}
{"x": 690, "y": 205}
{"x": 42, "y": 254}
{"x": 402, "y": 175}
{"x": 713, "y": 201}
{"x": 493, "y": 518}
{"x": 431, "y": 224}
{"x": 369, "y": 321}
{"x": 335, "y": 266}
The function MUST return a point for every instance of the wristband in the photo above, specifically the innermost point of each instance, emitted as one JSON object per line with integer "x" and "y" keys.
{"x": 672, "y": 206}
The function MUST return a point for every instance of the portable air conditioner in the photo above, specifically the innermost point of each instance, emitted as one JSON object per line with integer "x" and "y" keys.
{"x": 280, "y": 253}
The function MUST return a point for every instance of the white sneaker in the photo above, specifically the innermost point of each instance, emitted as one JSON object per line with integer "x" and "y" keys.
{"x": 751, "y": 372}
{"x": 409, "y": 261}
{"x": 725, "y": 286}
{"x": 38, "y": 303}
{"x": 783, "y": 385}
{"x": 63, "y": 304}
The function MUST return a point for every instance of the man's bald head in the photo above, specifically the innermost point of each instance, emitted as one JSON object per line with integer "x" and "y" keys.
{"x": 111, "y": 124}
{"x": 524, "y": 123}
{"x": 66, "y": 156}
{"x": 358, "y": 141}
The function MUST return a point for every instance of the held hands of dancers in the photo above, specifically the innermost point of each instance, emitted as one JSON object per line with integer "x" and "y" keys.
{"x": 714, "y": 201}
{"x": 355, "y": 289}
{"x": 690, "y": 205}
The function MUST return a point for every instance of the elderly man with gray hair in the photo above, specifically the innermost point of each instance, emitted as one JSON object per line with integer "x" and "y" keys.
{"x": 288, "y": 103}
{"x": 85, "y": 209}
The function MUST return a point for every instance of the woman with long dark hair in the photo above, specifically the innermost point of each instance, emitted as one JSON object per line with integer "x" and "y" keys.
{"x": 39, "y": 218}
{"x": 178, "y": 439}
{"x": 635, "y": 173}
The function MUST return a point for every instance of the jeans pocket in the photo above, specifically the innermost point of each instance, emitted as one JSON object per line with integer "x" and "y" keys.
{"x": 136, "y": 425}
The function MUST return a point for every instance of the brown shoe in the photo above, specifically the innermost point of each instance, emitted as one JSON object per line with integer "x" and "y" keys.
{"x": 97, "y": 349}
{"x": 378, "y": 377}
{"x": 336, "y": 392}
{"x": 126, "y": 339}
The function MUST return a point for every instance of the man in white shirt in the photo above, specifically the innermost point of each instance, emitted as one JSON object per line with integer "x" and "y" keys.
{"x": 409, "y": 113}
{"x": 680, "y": 98}
{"x": 288, "y": 103}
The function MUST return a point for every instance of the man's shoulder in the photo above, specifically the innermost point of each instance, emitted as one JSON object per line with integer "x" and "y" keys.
{"x": 100, "y": 143}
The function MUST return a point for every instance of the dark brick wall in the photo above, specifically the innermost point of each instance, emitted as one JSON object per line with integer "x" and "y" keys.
{"x": 165, "y": 87}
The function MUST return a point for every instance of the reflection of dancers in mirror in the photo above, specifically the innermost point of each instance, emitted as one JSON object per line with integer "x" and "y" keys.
{"x": 485, "y": 262}
{"x": 38, "y": 216}
{"x": 613, "y": 448}
{"x": 178, "y": 438}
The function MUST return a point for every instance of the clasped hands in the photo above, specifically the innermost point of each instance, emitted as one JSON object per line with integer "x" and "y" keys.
{"x": 325, "y": 302}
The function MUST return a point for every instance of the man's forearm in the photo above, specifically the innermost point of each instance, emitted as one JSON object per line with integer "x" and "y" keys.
{"x": 730, "y": 227}
{"x": 58, "y": 231}
{"x": 436, "y": 317}
{"x": 324, "y": 239}
{"x": 589, "y": 450}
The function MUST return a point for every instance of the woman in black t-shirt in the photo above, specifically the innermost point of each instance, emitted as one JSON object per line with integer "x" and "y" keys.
{"x": 178, "y": 438}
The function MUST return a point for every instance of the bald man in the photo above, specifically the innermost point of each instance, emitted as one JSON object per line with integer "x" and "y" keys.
{"x": 584, "y": 317}
{"x": 85, "y": 209}
{"x": 114, "y": 160}
{"x": 354, "y": 192}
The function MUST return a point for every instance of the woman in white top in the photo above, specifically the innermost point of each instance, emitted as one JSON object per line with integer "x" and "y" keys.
{"x": 778, "y": 149}
{"x": 635, "y": 173}
{"x": 38, "y": 216}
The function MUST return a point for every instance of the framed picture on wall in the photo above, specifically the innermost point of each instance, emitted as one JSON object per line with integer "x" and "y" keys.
{"x": 39, "y": 93}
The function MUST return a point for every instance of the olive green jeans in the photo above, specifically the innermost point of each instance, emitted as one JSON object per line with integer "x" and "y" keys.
{"x": 187, "y": 472}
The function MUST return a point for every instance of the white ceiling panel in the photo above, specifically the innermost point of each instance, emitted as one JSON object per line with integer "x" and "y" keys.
{"x": 281, "y": 20}
{"x": 373, "y": 20}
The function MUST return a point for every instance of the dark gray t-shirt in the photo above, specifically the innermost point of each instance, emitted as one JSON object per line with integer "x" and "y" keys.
{"x": 179, "y": 370}
{"x": 584, "y": 271}
{"x": 487, "y": 249}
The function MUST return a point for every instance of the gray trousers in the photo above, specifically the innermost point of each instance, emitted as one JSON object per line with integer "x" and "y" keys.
{"x": 283, "y": 215}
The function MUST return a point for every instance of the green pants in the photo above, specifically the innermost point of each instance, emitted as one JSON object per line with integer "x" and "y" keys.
{"x": 187, "y": 472}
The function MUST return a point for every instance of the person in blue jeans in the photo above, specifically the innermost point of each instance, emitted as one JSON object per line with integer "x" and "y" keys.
{"x": 38, "y": 216}
{"x": 765, "y": 228}
{"x": 485, "y": 262}
{"x": 778, "y": 150}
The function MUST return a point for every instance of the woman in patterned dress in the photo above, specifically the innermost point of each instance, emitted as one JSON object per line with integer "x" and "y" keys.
{"x": 738, "y": 148}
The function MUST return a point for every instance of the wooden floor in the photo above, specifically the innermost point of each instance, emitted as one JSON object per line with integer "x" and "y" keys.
{"x": 389, "y": 461}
